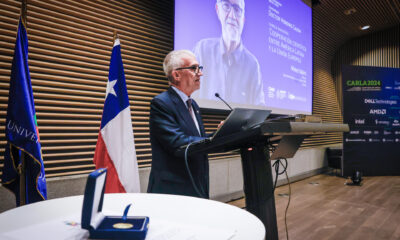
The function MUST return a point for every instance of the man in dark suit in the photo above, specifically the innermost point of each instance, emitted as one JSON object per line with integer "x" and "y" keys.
{"x": 175, "y": 121}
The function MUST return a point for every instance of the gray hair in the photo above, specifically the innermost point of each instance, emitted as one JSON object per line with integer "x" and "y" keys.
{"x": 174, "y": 60}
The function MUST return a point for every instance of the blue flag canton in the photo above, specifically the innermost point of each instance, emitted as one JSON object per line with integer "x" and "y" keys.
{"x": 116, "y": 94}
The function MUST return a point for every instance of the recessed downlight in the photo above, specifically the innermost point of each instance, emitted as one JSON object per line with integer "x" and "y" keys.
{"x": 365, "y": 27}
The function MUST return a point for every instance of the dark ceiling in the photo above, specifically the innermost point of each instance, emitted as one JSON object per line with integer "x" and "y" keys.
{"x": 331, "y": 14}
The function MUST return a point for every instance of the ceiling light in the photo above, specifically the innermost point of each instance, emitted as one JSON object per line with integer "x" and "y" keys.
{"x": 364, "y": 27}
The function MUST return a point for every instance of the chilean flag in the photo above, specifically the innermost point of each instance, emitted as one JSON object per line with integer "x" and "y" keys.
{"x": 115, "y": 148}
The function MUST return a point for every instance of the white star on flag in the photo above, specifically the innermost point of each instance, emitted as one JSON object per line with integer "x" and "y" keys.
{"x": 110, "y": 87}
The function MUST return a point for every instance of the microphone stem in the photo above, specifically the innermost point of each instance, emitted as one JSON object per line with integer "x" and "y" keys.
{"x": 226, "y": 104}
{"x": 217, "y": 95}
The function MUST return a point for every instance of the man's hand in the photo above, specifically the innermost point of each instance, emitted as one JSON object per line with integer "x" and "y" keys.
{"x": 220, "y": 124}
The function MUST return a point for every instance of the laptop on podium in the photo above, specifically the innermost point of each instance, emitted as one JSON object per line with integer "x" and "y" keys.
{"x": 241, "y": 119}
{"x": 238, "y": 120}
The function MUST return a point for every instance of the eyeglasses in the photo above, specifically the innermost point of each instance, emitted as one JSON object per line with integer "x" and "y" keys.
{"x": 227, "y": 6}
{"x": 196, "y": 69}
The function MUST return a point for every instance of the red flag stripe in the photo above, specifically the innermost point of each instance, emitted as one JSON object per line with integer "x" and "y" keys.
{"x": 103, "y": 160}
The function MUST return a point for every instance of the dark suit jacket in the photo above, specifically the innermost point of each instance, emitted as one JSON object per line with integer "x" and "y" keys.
{"x": 171, "y": 126}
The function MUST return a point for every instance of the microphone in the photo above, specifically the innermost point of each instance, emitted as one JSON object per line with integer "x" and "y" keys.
{"x": 217, "y": 95}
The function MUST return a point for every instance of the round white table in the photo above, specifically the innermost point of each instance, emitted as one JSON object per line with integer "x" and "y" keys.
{"x": 169, "y": 215}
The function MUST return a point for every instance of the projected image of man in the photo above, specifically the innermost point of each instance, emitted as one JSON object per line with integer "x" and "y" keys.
{"x": 229, "y": 68}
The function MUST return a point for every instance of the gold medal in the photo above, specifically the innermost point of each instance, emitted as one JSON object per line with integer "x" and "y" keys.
{"x": 123, "y": 225}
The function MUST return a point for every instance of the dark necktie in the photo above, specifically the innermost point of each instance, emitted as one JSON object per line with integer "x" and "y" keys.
{"x": 189, "y": 105}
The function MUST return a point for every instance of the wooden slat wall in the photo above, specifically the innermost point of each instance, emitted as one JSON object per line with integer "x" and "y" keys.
{"x": 69, "y": 50}
{"x": 324, "y": 93}
{"x": 70, "y": 45}
{"x": 381, "y": 49}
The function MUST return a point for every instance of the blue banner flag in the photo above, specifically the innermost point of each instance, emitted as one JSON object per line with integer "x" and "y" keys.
{"x": 21, "y": 131}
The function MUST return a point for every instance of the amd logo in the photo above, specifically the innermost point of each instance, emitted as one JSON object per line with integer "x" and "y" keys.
{"x": 377, "y": 111}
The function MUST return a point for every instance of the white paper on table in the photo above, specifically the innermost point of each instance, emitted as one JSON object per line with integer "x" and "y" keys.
{"x": 67, "y": 227}
{"x": 162, "y": 229}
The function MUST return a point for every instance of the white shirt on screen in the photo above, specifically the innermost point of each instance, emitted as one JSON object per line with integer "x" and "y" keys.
{"x": 235, "y": 76}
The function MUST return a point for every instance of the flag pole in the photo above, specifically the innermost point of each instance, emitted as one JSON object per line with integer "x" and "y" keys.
{"x": 23, "y": 12}
{"x": 115, "y": 36}
{"x": 22, "y": 180}
{"x": 22, "y": 176}
{"x": 23, "y": 170}
{"x": 123, "y": 174}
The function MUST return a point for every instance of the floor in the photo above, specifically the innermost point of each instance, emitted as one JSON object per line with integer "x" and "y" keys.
{"x": 323, "y": 207}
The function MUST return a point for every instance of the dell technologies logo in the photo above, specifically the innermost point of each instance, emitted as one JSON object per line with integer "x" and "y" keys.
{"x": 359, "y": 121}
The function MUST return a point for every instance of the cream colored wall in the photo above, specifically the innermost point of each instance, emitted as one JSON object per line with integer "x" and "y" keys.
{"x": 226, "y": 178}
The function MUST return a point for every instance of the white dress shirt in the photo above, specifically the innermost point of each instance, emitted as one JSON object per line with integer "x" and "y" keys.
{"x": 184, "y": 98}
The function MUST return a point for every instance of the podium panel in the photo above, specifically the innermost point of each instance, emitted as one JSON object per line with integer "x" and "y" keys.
{"x": 256, "y": 166}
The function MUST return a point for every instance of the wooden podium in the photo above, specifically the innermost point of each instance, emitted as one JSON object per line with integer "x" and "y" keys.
{"x": 256, "y": 165}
